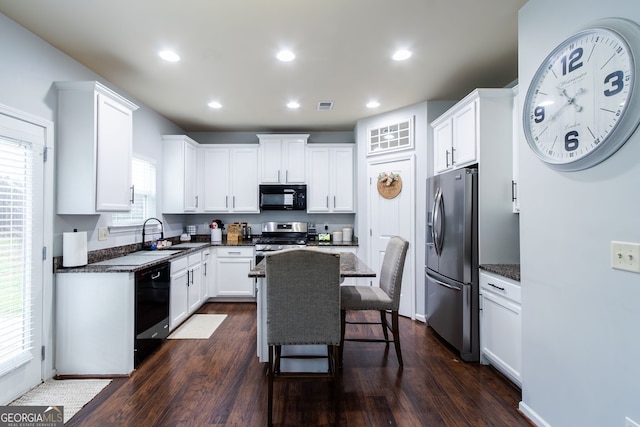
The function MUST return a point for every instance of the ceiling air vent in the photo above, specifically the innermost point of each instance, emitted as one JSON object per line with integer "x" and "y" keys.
{"x": 325, "y": 106}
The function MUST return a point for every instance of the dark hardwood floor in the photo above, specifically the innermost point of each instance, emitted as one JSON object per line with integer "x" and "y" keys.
{"x": 219, "y": 381}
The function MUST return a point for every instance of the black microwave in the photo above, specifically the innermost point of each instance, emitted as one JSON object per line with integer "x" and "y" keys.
{"x": 283, "y": 197}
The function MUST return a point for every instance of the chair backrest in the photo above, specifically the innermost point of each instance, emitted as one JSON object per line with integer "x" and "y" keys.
{"x": 303, "y": 297}
{"x": 393, "y": 267}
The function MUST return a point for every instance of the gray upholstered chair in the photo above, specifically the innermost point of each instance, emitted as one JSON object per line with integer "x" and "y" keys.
{"x": 303, "y": 308}
{"x": 385, "y": 299}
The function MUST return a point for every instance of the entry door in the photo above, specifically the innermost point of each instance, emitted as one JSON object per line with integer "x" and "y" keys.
{"x": 393, "y": 217}
{"x": 22, "y": 238}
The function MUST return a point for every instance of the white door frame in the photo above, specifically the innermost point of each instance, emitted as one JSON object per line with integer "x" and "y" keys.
{"x": 46, "y": 289}
{"x": 409, "y": 268}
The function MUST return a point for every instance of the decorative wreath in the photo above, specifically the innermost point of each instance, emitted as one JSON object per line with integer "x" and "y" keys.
{"x": 389, "y": 184}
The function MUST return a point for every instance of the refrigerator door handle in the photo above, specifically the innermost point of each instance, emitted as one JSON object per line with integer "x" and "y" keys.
{"x": 446, "y": 285}
{"x": 437, "y": 222}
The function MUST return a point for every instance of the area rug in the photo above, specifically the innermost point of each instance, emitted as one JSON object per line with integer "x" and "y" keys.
{"x": 198, "y": 327}
{"x": 70, "y": 394}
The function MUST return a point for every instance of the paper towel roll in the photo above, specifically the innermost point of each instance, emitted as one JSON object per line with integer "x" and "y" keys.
{"x": 74, "y": 249}
{"x": 216, "y": 235}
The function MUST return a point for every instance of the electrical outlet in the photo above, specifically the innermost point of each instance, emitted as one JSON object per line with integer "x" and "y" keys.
{"x": 102, "y": 233}
{"x": 628, "y": 422}
{"x": 625, "y": 256}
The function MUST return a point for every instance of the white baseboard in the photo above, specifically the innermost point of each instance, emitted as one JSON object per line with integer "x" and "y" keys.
{"x": 532, "y": 415}
{"x": 421, "y": 318}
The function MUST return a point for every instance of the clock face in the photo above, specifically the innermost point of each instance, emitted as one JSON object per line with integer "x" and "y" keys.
{"x": 577, "y": 108}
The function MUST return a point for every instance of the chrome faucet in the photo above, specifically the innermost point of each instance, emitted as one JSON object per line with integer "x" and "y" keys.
{"x": 145, "y": 224}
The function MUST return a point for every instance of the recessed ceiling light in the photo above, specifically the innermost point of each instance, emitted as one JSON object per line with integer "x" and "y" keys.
{"x": 169, "y": 55}
{"x": 286, "y": 55}
{"x": 401, "y": 55}
{"x": 373, "y": 104}
{"x": 214, "y": 104}
{"x": 293, "y": 105}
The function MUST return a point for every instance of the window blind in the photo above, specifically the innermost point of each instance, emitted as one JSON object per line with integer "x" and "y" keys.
{"x": 16, "y": 216}
{"x": 144, "y": 200}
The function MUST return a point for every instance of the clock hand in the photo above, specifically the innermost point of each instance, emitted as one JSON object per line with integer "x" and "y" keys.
{"x": 570, "y": 100}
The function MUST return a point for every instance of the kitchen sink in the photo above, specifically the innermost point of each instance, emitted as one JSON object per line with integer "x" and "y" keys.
{"x": 158, "y": 252}
{"x": 190, "y": 245}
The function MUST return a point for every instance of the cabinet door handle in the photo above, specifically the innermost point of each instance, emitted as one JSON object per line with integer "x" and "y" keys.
{"x": 196, "y": 201}
{"x": 447, "y": 157}
{"x": 286, "y": 176}
{"x": 133, "y": 194}
{"x": 192, "y": 277}
{"x": 327, "y": 202}
{"x": 453, "y": 162}
{"x": 496, "y": 286}
{"x": 234, "y": 202}
{"x": 334, "y": 202}
{"x": 278, "y": 175}
{"x": 513, "y": 191}
{"x": 205, "y": 269}
{"x": 187, "y": 277}
{"x": 226, "y": 201}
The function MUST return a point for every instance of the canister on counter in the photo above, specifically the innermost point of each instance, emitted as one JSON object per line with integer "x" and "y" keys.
{"x": 347, "y": 234}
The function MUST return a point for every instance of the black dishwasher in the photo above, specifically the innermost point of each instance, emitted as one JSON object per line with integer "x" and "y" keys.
{"x": 152, "y": 309}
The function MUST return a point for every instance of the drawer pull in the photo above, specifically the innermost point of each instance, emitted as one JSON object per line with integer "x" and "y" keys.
{"x": 495, "y": 286}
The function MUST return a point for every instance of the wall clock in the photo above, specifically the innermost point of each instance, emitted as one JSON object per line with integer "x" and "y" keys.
{"x": 584, "y": 100}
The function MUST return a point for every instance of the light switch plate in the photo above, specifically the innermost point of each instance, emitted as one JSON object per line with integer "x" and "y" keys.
{"x": 102, "y": 233}
{"x": 625, "y": 256}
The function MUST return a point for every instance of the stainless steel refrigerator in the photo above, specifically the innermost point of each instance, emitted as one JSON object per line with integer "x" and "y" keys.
{"x": 451, "y": 271}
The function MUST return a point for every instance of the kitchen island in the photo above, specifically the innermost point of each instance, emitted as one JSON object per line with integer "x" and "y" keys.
{"x": 350, "y": 266}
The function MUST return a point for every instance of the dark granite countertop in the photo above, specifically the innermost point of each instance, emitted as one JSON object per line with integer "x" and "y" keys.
{"x": 109, "y": 253}
{"x": 510, "y": 271}
{"x": 350, "y": 266}
{"x": 97, "y": 268}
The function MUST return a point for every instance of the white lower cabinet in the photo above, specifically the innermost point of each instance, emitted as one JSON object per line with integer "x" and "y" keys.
{"x": 95, "y": 338}
{"x": 501, "y": 325}
{"x": 207, "y": 274}
{"x": 186, "y": 288}
{"x": 232, "y": 268}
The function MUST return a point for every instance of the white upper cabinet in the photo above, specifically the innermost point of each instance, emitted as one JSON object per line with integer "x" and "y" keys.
{"x": 461, "y": 131}
{"x": 180, "y": 174}
{"x": 330, "y": 178}
{"x": 94, "y": 149}
{"x": 230, "y": 178}
{"x": 282, "y": 158}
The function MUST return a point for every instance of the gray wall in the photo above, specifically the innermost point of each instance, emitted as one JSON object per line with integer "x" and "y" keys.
{"x": 581, "y": 318}
{"x": 29, "y": 68}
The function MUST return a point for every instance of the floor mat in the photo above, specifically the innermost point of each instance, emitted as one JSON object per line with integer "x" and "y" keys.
{"x": 198, "y": 327}
{"x": 70, "y": 394}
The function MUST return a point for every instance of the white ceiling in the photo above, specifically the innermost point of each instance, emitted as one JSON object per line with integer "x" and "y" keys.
{"x": 343, "y": 50}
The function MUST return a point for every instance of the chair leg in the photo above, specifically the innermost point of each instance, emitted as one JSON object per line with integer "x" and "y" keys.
{"x": 343, "y": 317}
{"x": 278, "y": 350}
{"x": 396, "y": 336}
{"x": 336, "y": 385}
{"x": 270, "y": 393}
{"x": 383, "y": 322}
